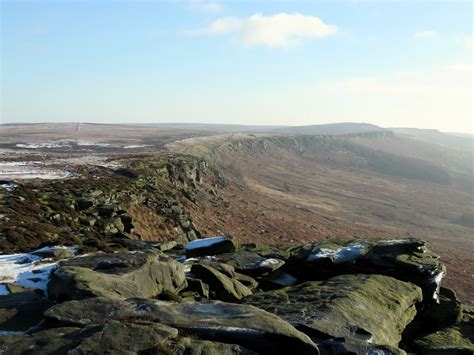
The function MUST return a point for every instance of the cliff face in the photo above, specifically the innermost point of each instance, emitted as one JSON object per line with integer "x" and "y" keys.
{"x": 103, "y": 208}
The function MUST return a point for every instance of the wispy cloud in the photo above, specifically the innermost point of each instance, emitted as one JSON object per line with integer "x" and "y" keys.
{"x": 204, "y": 6}
{"x": 425, "y": 34}
{"x": 280, "y": 30}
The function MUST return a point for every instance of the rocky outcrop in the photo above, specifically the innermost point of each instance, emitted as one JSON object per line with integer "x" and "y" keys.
{"x": 406, "y": 260}
{"x": 340, "y": 297}
{"x": 103, "y": 209}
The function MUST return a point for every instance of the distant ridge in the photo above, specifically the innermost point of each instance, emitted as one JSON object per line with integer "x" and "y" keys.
{"x": 332, "y": 128}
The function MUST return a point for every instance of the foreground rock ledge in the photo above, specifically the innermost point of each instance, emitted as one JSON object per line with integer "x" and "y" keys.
{"x": 337, "y": 297}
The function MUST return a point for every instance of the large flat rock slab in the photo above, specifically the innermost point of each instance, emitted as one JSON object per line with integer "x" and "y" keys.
{"x": 369, "y": 308}
{"x": 230, "y": 323}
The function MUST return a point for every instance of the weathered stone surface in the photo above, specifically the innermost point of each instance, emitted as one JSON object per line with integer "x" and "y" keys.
{"x": 276, "y": 280}
{"x": 250, "y": 263}
{"x": 353, "y": 346}
{"x": 225, "y": 288}
{"x": 57, "y": 253}
{"x": 22, "y": 311}
{"x": 230, "y": 323}
{"x": 210, "y": 246}
{"x": 120, "y": 275}
{"x": 435, "y": 316}
{"x": 196, "y": 285}
{"x": 111, "y": 337}
{"x": 202, "y": 347}
{"x": 369, "y": 308}
{"x": 451, "y": 340}
{"x": 407, "y": 260}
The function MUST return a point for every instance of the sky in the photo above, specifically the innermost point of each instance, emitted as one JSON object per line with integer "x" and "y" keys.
{"x": 390, "y": 63}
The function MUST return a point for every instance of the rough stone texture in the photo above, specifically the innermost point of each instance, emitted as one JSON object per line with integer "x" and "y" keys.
{"x": 185, "y": 346}
{"x": 112, "y": 337}
{"x": 250, "y": 263}
{"x": 22, "y": 311}
{"x": 224, "y": 287}
{"x": 451, "y": 340}
{"x": 320, "y": 291}
{"x": 406, "y": 260}
{"x": 370, "y": 308}
{"x": 121, "y": 275}
{"x": 230, "y": 323}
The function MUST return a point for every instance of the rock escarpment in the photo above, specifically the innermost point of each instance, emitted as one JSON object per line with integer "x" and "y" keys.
{"x": 356, "y": 297}
{"x": 102, "y": 209}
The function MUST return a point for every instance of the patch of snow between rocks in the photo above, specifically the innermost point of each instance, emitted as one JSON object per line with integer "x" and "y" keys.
{"x": 203, "y": 243}
{"x": 27, "y": 269}
{"x": 341, "y": 255}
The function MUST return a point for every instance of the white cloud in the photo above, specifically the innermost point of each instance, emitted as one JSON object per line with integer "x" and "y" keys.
{"x": 424, "y": 34}
{"x": 220, "y": 26}
{"x": 204, "y": 6}
{"x": 280, "y": 30}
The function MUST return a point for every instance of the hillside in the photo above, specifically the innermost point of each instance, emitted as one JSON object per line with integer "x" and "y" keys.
{"x": 297, "y": 188}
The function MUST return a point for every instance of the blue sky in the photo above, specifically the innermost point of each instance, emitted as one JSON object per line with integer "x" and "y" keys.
{"x": 247, "y": 62}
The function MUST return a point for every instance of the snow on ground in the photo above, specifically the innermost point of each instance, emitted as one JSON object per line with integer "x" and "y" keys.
{"x": 92, "y": 144}
{"x": 60, "y": 144}
{"x": 27, "y": 269}
{"x": 344, "y": 254}
{"x": 44, "y": 145}
{"x": 204, "y": 243}
{"x": 89, "y": 160}
{"x": 7, "y": 185}
{"x": 271, "y": 262}
{"x": 30, "y": 170}
{"x": 136, "y": 146}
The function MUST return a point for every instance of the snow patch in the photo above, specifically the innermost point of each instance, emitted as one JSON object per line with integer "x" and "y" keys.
{"x": 29, "y": 170}
{"x": 341, "y": 255}
{"x": 204, "y": 243}
{"x": 269, "y": 263}
{"x": 90, "y": 144}
{"x": 136, "y": 146}
{"x": 27, "y": 269}
{"x": 7, "y": 185}
{"x": 44, "y": 145}
{"x": 437, "y": 280}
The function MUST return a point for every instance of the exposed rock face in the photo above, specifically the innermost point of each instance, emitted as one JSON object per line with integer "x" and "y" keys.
{"x": 142, "y": 201}
{"x": 122, "y": 275}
